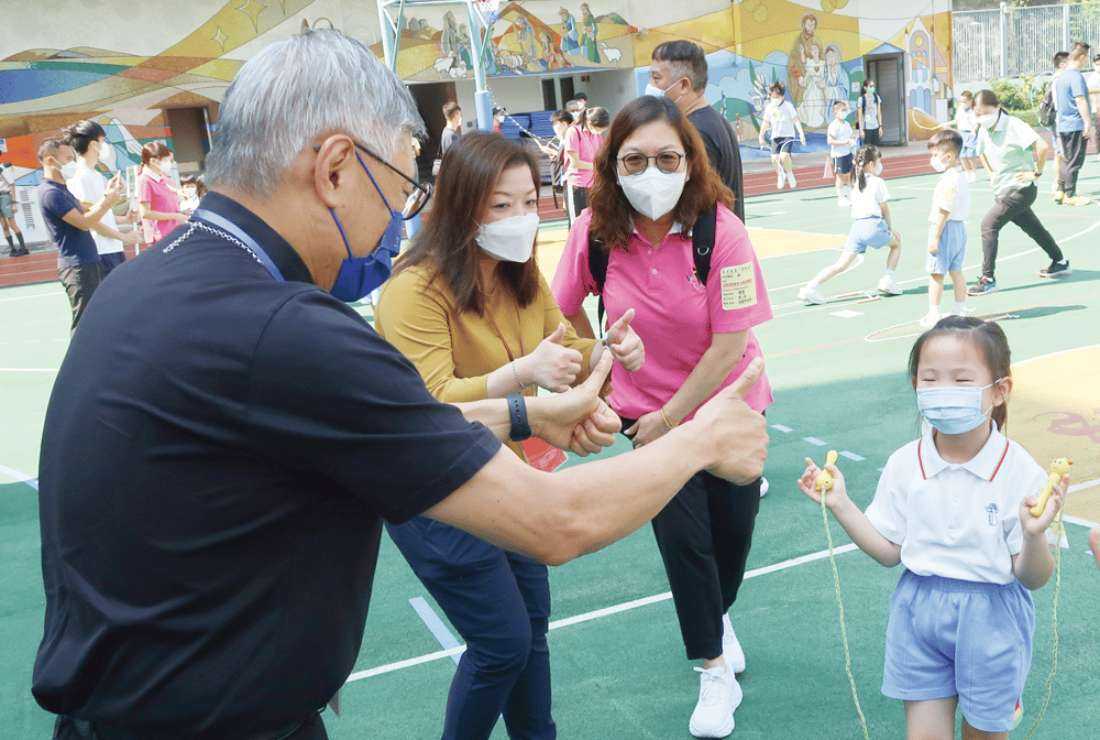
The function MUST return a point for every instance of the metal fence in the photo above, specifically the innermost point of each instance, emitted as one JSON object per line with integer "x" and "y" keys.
{"x": 1009, "y": 42}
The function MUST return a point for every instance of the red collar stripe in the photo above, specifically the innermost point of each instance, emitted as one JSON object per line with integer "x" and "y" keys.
{"x": 999, "y": 463}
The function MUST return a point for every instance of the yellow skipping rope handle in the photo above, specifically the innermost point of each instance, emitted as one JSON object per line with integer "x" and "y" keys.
{"x": 824, "y": 483}
{"x": 1058, "y": 468}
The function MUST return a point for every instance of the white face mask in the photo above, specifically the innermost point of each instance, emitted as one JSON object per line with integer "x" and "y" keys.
{"x": 107, "y": 155}
{"x": 510, "y": 239}
{"x": 989, "y": 120}
{"x": 653, "y": 193}
{"x": 68, "y": 170}
{"x": 877, "y": 169}
{"x": 651, "y": 89}
{"x": 938, "y": 164}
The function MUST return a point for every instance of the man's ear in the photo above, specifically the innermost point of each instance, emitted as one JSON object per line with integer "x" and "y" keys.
{"x": 331, "y": 169}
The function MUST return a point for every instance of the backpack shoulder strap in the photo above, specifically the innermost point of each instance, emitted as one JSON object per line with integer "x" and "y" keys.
{"x": 598, "y": 258}
{"x": 702, "y": 242}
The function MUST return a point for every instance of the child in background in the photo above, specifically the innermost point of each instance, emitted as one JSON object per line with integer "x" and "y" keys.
{"x": 841, "y": 137}
{"x": 947, "y": 225}
{"x": 192, "y": 189}
{"x": 870, "y": 228}
{"x": 952, "y": 507}
{"x": 966, "y": 123}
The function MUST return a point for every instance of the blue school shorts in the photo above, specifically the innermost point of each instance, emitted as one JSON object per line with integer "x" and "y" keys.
{"x": 952, "y": 249}
{"x": 970, "y": 145}
{"x": 867, "y": 232}
{"x": 842, "y": 165}
{"x": 950, "y": 638}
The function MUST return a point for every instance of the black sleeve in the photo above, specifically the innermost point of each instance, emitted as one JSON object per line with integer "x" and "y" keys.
{"x": 335, "y": 401}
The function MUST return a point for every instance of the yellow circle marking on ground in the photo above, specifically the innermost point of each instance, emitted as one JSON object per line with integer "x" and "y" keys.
{"x": 1055, "y": 412}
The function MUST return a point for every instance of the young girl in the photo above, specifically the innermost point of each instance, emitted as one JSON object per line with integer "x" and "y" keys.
{"x": 840, "y": 138}
{"x": 781, "y": 117}
{"x": 870, "y": 228}
{"x": 952, "y": 507}
{"x": 966, "y": 124}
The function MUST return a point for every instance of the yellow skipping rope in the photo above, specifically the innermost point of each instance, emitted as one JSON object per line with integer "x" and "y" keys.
{"x": 824, "y": 483}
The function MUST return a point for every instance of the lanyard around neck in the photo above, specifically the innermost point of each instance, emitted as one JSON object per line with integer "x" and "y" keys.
{"x": 219, "y": 221}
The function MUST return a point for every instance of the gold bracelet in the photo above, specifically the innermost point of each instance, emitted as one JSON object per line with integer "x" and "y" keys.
{"x": 666, "y": 419}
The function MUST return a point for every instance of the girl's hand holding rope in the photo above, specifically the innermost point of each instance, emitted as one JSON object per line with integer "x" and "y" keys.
{"x": 836, "y": 496}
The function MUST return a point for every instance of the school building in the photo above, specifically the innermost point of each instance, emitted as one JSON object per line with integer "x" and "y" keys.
{"x": 158, "y": 69}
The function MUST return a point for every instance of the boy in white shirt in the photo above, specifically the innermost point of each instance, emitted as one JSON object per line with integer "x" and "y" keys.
{"x": 840, "y": 138}
{"x": 947, "y": 225}
{"x": 966, "y": 124}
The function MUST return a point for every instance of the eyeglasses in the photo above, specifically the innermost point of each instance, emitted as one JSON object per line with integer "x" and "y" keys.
{"x": 417, "y": 199}
{"x": 636, "y": 163}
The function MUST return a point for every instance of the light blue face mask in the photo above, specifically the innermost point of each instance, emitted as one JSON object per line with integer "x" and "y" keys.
{"x": 953, "y": 409}
{"x": 358, "y": 276}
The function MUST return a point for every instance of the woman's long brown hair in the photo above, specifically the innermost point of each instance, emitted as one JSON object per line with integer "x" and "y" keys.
{"x": 447, "y": 244}
{"x": 612, "y": 213}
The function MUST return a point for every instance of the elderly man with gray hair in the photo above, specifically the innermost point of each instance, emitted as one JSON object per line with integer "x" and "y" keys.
{"x": 213, "y": 482}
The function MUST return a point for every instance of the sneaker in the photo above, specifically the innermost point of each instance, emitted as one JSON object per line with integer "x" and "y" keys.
{"x": 719, "y": 697}
{"x": 971, "y": 176}
{"x": 964, "y": 309}
{"x": 930, "y": 319}
{"x": 1076, "y": 200}
{"x": 1058, "y": 197}
{"x": 793, "y": 182}
{"x": 984, "y": 286}
{"x": 843, "y": 202}
{"x": 1056, "y": 269}
{"x": 888, "y": 286}
{"x": 811, "y": 296}
{"x": 731, "y": 647}
{"x": 763, "y": 492}
{"x": 780, "y": 180}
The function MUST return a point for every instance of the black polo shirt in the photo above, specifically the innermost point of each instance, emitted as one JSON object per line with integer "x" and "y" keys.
{"x": 219, "y": 451}
{"x": 724, "y": 152}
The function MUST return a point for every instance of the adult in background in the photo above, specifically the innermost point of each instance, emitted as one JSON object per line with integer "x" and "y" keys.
{"x": 1013, "y": 154}
{"x": 89, "y": 141}
{"x": 159, "y": 201}
{"x": 582, "y": 141}
{"x": 212, "y": 491}
{"x": 654, "y": 188}
{"x": 869, "y": 113}
{"x": 451, "y": 134}
{"x": 1092, "y": 79}
{"x": 678, "y": 70}
{"x": 469, "y": 307}
{"x": 560, "y": 121}
{"x": 1051, "y": 125}
{"x": 1074, "y": 123}
{"x": 7, "y": 213}
{"x": 70, "y": 224}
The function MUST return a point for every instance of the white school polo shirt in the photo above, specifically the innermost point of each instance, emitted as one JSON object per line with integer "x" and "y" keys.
{"x": 956, "y": 520}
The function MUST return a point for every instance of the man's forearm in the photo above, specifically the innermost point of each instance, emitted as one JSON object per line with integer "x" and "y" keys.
{"x": 104, "y": 230}
{"x": 492, "y": 412}
{"x": 98, "y": 211}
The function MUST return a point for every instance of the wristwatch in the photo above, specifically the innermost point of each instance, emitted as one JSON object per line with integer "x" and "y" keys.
{"x": 517, "y": 414}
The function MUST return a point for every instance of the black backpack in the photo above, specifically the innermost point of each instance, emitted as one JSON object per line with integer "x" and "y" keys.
{"x": 1048, "y": 113}
{"x": 702, "y": 241}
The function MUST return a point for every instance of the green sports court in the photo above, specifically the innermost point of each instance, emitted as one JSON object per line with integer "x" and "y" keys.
{"x": 839, "y": 376}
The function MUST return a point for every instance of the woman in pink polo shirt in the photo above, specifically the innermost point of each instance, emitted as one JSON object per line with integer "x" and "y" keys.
{"x": 582, "y": 142}
{"x": 160, "y": 203}
{"x": 652, "y": 185}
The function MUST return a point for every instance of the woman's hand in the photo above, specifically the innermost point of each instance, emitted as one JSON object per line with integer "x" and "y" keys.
{"x": 647, "y": 429}
{"x": 1034, "y": 526}
{"x": 578, "y": 419}
{"x": 596, "y": 432}
{"x": 179, "y": 217}
{"x": 625, "y": 345}
{"x": 551, "y": 366}
{"x": 835, "y": 496}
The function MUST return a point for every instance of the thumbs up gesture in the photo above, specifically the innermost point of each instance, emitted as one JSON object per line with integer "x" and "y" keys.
{"x": 738, "y": 435}
{"x": 625, "y": 344}
{"x": 552, "y": 366}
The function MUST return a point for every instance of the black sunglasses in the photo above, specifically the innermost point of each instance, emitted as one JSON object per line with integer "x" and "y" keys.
{"x": 417, "y": 199}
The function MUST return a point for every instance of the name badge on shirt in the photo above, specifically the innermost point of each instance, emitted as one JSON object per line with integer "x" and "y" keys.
{"x": 738, "y": 287}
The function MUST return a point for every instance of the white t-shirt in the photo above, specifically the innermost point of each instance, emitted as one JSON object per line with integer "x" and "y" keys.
{"x": 1092, "y": 81}
{"x": 869, "y": 103}
{"x": 952, "y": 194}
{"x": 7, "y": 184}
{"x": 867, "y": 203}
{"x": 782, "y": 118}
{"x": 841, "y": 131}
{"x": 89, "y": 186}
{"x": 966, "y": 121}
{"x": 957, "y": 521}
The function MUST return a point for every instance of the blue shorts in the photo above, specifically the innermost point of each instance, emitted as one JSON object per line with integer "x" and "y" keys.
{"x": 110, "y": 261}
{"x": 867, "y": 232}
{"x": 970, "y": 144}
{"x": 960, "y": 638}
{"x": 783, "y": 145}
{"x": 952, "y": 249}
{"x": 6, "y": 210}
{"x": 842, "y": 165}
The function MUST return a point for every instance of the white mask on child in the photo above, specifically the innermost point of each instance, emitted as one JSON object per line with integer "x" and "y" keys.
{"x": 938, "y": 164}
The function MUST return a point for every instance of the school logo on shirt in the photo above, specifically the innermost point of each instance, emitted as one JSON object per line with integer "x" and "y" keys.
{"x": 738, "y": 287}
{"x": 991, "y": 512}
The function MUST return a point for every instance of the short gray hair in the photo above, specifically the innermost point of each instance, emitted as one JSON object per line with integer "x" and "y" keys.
{"x": 293, "y": 90}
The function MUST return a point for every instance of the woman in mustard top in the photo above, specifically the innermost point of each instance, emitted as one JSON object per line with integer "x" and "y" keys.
{"x": 468, "y": 306}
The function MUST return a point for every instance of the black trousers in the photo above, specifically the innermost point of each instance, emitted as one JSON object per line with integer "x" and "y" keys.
{"x": 578, "y": 201}
{"x": 69, "y": 728}
{"x": 1015, "y": 207}
{"x": 704, "y": 535}
{"x": 872, "y": 137}
{"x": 80, "y": 282}
{"x": 1074, "y": 146}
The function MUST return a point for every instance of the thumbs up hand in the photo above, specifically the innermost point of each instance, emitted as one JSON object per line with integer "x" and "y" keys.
{"x": 552, "y": 366}
{"x": 625, "y": 344}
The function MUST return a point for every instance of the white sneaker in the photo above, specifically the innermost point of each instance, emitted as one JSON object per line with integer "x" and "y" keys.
{"x": 780, "y": 179}
{"x": 888, "y": 286}
{"x": 811, "y": 296}
{"x": 719, "y": 697}
{"x": 791, "y": 180}
{"x": 964, "y": 309}
{"x": 972, "y": 176}
{"x": 731, "y": 647}
{"x": 763, "y": 488}
{"x": 930, "y": 319}
{"x": 843, "y": 202}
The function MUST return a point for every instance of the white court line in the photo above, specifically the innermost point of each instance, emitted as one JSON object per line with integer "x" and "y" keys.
{"x": 28, "y": 297}
{"x": 852, "y": 456}
{"x": 597, "y": 614}
{"x": 815, "y": 441}
{"x": 435, "y": 625}
{"x": 28, "y": 369}
{"x": 18, "y": 476}
{"x": 782, "y": 428}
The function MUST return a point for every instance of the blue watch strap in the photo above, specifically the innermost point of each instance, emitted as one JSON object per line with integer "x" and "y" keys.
{"x": 517, "y": 413}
